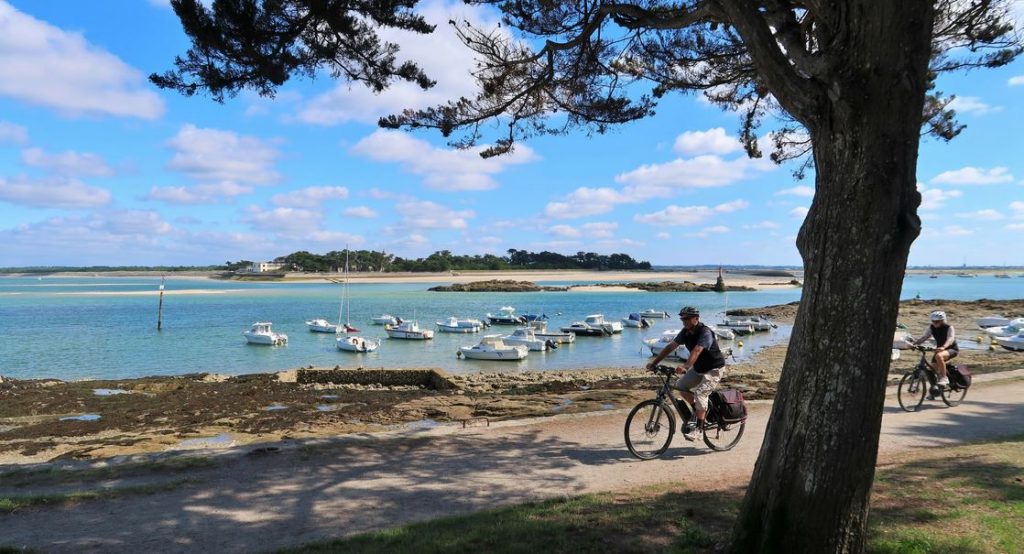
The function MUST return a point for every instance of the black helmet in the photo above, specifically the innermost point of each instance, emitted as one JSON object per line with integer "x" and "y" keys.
{"x": 689, "y": 311}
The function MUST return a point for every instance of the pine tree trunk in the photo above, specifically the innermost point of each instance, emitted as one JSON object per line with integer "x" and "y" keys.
{"x": 812, "y": 482}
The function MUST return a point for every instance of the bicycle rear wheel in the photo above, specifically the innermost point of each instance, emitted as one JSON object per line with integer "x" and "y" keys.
{"x": 911, "y": 391}
{"x": 953, "y": 397}
{"x": 723, "y": 436}
{"x": 649, "y": 429}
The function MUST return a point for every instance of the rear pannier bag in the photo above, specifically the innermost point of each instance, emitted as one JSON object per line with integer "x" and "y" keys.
{"x": 960, "y": 376}
{"x": 730, "y": 405}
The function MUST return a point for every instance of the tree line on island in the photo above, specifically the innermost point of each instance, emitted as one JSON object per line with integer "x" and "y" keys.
{"x": 444, "y": 260}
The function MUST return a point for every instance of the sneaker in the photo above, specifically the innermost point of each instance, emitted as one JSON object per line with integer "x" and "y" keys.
{"x": 690, "y": 431}
{"x": 943, "y": 382}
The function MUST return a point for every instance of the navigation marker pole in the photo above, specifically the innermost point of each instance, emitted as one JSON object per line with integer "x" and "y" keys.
{"x": 160, "y": 306}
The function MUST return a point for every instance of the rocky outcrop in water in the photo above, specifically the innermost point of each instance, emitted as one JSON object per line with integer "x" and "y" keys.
{"x": 496, "y": 285}
{"x": 675, "y": 286}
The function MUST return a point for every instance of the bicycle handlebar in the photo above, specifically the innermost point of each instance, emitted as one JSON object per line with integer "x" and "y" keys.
{"x": 664, "y": 369}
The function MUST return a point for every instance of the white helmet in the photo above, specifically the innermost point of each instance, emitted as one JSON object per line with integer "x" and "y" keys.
{"x": 938, "y": 315}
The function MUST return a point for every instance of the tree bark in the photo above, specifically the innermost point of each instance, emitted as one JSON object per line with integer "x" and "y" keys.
{"x": 812, "y": 481}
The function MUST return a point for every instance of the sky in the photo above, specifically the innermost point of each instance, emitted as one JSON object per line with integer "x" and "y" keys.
{"x": 99, "y": 167}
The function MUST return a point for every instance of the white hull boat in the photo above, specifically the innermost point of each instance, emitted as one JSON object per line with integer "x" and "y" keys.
{"x": 356, "y": 344}
{"x": 597, "y": 320}
{"x": 722, "y": 333}
{"x": 581, "y": 328}
{"x": 635, "y": 321}
{"x": 1016, "y": 342}
{"x": 505, "y": 316}
{"x": 492, "y": 347}
{"x": 652, "y": 313}
{"x": 408, "y": 330}
{"x": 455, "y": 325}
{"x": 656, "y": 344}
{"x": 757, "y": 322}
{"x": 261, "y": 333}
{"x": 322, "y": 326}
{"x": 385, "y": 319}
{"x": 525, "y": 336}
{"x": 992, "y": 321}
{"x": 737, "y": 328}
{"x": 1015, "y": 327}
{"x": 557, "y": 338}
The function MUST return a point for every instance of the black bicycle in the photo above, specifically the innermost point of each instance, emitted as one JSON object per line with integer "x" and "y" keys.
{"x": 922, "y": 379}
{"x": 651, "y": 425}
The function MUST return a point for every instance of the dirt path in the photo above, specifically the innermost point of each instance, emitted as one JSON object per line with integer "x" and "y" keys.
{"x": 316, "y": 490}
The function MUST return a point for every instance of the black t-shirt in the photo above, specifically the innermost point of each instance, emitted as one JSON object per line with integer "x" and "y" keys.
{"x": 711, "y": 357}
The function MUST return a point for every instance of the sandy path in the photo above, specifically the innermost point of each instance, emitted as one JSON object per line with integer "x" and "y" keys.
{"x": 333, "y": 488}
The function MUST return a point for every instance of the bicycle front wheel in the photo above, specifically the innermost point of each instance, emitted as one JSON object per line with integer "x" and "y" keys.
{"x": 953, "y": 397}
{"x": 911, "y": 391}
{"x": 723, "y": 436}
{"x": 649, "y": 429}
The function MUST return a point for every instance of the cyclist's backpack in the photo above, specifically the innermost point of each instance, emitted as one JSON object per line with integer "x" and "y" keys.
{"x": 730, "y": 406}
{"x": 960, "y": 376}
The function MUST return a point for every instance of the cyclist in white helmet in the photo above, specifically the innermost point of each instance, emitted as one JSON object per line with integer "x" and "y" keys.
{"x": 945, "y": 345}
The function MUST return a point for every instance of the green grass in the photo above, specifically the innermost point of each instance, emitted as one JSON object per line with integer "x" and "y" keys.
{"x": 967, "y": 499}
{"x": 10, "y": 504}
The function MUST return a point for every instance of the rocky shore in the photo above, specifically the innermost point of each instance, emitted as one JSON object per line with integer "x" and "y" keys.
{"x": 496, "y": 285}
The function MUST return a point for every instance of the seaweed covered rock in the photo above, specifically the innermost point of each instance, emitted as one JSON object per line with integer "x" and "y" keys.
{"x": 495, "y": 285}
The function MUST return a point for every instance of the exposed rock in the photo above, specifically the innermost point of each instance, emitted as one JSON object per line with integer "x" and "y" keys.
{"x": 495, "y": 285}
{"x": 675, "y": 286}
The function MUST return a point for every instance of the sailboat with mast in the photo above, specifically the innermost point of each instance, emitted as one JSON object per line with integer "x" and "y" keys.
{"x": 347, "y": 341}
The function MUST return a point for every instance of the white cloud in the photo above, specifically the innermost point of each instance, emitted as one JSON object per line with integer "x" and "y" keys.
{"x": 935, "y": 199}
{"x": 600, "y": 230}
{"x": 717, "y": 229}
{"x": 289, "y": 222}
{"x": 129, "y": 222}
{"x": 441, "y": 168}
{"x": 1018, "y": 80}
{"x": 687, "y": 215}
{"x": 440, "y": 54}
{"x": 331, "y": 239}
{"x": 363, "y": 212}
{"x": 44, "y": 65}
{"x": 1018, "y": 209}
{"x": 762, "y": 225}
{"x": 700, "y": 172}
{"x": 586, "y": 201}
{"x": 982, "y": 215}
{"x": 663, "y": 236}
{"x": 945, "y": 231}
{"x": 422, "y": 215}
{"x": 1015, "y": 227}
{"x": 972, "y": 104}
{"x": 198, "y": 194}
{"x": 802, "y": 191}
{"x": 54, "y": 192}
{"x": 565, "y": 231}
{"x": 974, "y": 176}
{"x": 310, "y": 197}
{"x": 217, "y": 156}
{"x": 799, "y": 212}
{"x": 13, "y": 134}
{"x": 69, "y": 163}
{"x": 712, "y": 141}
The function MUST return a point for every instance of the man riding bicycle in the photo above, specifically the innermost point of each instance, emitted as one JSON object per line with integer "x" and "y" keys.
{"x": 945, "y": 345}
{"x": 703, "y": 368}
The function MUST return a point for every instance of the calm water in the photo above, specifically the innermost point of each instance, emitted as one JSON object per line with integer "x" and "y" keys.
{"x": 75, "y": 328}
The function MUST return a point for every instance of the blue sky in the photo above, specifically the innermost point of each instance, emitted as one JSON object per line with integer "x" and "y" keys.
{"x": 97, "y": 166}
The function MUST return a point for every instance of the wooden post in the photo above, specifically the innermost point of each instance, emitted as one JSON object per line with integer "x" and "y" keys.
{"x": 160, "y": 307}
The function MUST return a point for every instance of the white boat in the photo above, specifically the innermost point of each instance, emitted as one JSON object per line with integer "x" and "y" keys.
{"x": 540, "y": 330}
{"x": 491, "y": 347}
{"x": 737, "y": 328}
{"x": 759, "y": 323}
{"x": 526, "y": 337}
{"x": 456, "y": 325}
{"x": 321, "y": 325}
{"x": 1015, "y": 326}
{"x": 597, "y": 320}
{"x": 992, "y": 321}
{"x": 385, "y": 319}
{"x": 902, "y": 340}
{"x": 261, "y": 333}
{"x": 408, "y": 330}
{"x": 722, "y": 333}
{"x": 652, "y": 313}
{"x": 656, "y": 344}
{"x": 636, "y": 321}
{"x": 505, "y": 316}
{"x": 585, "y": 329}
{"x": 356, "y": 344}
{"x": 1015, "y": 342}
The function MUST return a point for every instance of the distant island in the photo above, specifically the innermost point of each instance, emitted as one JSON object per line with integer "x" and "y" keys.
{"x": 496, "y": 285}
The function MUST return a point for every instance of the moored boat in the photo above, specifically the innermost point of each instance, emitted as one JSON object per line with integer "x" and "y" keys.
{"x": 586, "y": 330}
{"x": 356, "y": 344}
{"x": 505, "y": 316}
{"x": 1015, "y": 326}
{"x": 385, "y": 319}
{"x": 1015, "y": 342}
{"x": 491, "y": 347}
{"x": 992, "y": 321}
{"x": 408, "y": 330}
{"x": 456, "y": 325}
{"x": 540, "y": 330}
{"x": 652, "y": 313}
{"x": 597, "y": 320}
{"x": 261, "y": 333}
{"x": 321, "y": 325}
{"x": 656, "y": 344}
{"x": 525, "y": 336}
{"x": 635, "y": 320}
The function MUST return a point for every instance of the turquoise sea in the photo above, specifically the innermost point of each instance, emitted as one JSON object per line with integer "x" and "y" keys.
{"x": 105, "y": 327}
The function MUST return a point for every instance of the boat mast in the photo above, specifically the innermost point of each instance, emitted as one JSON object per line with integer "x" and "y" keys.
{"x": 348, "y": 300}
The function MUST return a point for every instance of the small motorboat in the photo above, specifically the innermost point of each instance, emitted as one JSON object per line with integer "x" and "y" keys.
{"x": 491, "y": 347}
{"x": 356, "y": 344}
{"x": 722, "y": 333}
{"x": 261, "y": 333}
{"x": 586, "y": 330}
{"x": 635, "y": 320}
{"x": 525, "y": 336}
{"x": 322, "y": 326}
{"x": 456, "y": 325}
{"x": 505, "y": 316}
{"x": 530, "y": 318}
{"x": 992, "y": 321}
{"x": 597, "y": 320}
{"x": 1014, "y": 327}
{"x": 1015, "y": 342}
{"x": 408, "y": 330}
{"x": 385, "y": 319}
{"x": 540, "y": 330}
{"x": 759, "y": 323}
{"x": 652, "y": 313}
{"x": 656, "y": 345}
{"x": 737, "y": 328}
